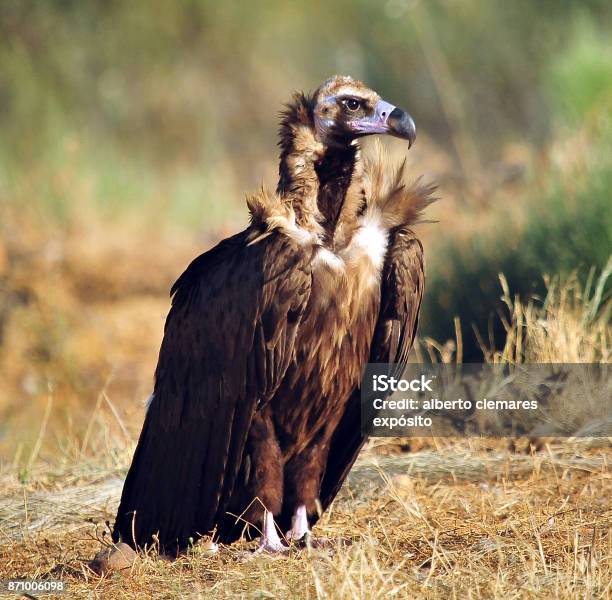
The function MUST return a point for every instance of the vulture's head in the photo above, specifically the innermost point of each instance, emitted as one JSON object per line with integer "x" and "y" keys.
{"x": 345, "y": 109}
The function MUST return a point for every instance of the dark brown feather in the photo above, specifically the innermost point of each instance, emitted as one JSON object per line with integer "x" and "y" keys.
{"x": 233, "y": 309}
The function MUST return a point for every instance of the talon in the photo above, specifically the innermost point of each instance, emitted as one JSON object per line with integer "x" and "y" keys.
{"x": 270, "y": 548}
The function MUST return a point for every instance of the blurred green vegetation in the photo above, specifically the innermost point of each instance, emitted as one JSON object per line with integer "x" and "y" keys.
{"x": 168, "y": 110}
{"x": 568, "y": 217}
{"x": 567, "y": 231}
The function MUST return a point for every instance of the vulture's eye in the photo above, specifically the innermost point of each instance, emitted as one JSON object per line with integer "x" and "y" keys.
{"x": 352, "y": 104}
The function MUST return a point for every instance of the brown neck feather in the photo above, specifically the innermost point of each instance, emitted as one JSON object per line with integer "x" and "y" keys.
{"x": 313, "y": 176}
{"x": 335, "y": 173}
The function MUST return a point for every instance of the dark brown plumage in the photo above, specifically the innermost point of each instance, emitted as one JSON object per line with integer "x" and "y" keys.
{"x": 255, "y": 411}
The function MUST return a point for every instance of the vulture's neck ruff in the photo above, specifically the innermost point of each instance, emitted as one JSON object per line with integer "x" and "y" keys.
{"x": 314, "y": 176}
{"x": 320, "y": 172}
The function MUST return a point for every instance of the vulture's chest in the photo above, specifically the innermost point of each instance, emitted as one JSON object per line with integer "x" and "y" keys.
{"x": 334, "y": 338}
{"x": 346, "y": 282}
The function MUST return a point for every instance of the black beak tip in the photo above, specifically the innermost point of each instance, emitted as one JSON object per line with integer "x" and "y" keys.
{"x": 402, "y": 125}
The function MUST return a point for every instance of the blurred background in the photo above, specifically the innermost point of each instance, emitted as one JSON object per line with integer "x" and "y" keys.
{"x": 130, "y": 134}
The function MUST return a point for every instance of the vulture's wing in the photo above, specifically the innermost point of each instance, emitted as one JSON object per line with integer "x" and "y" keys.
{"x": 227, "y": 343}
{"x": 401, "y": 292}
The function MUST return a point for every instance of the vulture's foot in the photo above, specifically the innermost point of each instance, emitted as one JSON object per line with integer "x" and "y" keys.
{"x": 268, "y": 547}
{"x": 299, "y": 526}
{"x": 322, "y": 545}
{"x": 300, "y": 535}
{"x": 270, "y": 542}
{"x": 311, "y": 542}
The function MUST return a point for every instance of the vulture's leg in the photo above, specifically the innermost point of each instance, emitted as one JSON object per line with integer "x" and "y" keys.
{"x": 303, "y": 475}
{"x": 270, "y": 540}
{"x": 263, "y": 479}
{"x": 258, "y": 492}
{"x": 299, "y": 524}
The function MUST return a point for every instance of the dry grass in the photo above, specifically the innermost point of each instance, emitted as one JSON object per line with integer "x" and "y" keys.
{"x": 571, "y": 326}
{"x": 470, "y": 519}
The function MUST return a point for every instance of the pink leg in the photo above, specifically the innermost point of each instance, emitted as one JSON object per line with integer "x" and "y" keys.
{"x": 270, "y": 541}
{"x": 299, "y": 524}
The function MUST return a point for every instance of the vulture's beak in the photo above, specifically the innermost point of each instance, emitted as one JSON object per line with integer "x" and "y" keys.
{"x": 388, "y": 119}
{"x": 400, "y": 124}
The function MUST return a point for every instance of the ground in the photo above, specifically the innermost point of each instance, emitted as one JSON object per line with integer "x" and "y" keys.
{"x": 458, "y": 519}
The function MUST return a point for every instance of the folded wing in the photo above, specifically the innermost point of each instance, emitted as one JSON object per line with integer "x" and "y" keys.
{"x": 227, "y": 343}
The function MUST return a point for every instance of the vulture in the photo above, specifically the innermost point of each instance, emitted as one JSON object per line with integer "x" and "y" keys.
{"x": 255, "y": 417}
